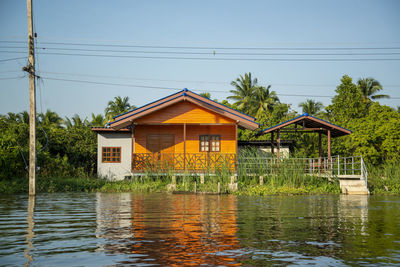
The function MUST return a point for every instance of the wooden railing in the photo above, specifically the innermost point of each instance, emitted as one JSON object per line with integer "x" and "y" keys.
{"x": 164, "y": 162}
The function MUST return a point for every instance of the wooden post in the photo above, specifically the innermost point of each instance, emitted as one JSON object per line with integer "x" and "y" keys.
{"x": 261, "y": 180}
{"x": 319, "y": 148}
{"x": 272, "y": 143}
{"x": 195, "y": 186}
{"x": 133, "y": 144}
{"x": 202, "y": 178}
{"x": 278, "y": 143}
{"x": 219, "y": 188}
{"x": 329, "y": 144}
{"x": 32, "y": 103}
{"x": 184, "y": 146}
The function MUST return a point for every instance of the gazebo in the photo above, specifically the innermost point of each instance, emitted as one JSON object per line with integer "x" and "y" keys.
{"x": 306, "y": 124}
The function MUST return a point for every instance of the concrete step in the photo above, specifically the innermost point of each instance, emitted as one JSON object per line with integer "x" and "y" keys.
{"x": 354, "y": 187}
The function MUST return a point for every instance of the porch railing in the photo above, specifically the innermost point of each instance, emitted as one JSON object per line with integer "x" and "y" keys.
{"x": 334, "y": 166}
{"x": 164, "y": 162}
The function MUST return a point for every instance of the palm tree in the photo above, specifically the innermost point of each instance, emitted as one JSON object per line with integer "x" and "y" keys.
{"x": 264, "y": 100}
{"x": 75, "y": 121}
{"x": 97, "y": 120}
{"x": 50, "y": 118}
{"x": 118, "y": 106}
{"x": 368, "y": 88}
{"x": 311, "y": 107}
{"x": 244, "y": 91}
{"x": 206, "y": 95}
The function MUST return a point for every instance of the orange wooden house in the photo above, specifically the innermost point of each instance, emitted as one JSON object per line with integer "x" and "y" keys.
{"x": 183, "y": 131}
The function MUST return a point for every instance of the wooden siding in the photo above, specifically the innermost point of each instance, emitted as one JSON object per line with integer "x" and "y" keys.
{"x": 184, "y": 112}
{"x": 193, "y": 132}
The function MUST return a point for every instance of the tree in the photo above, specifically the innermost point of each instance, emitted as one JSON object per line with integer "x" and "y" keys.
{"x": 206, "y": 95}
{"x": 97, "y": 120}
{"x": 368, "y": 88}
{"x": 50, "y": 118}
{"x": 118, "y": 106}
{"x": 311, "y": 107}
{"x": 75, "y": 122}
{"x": 243, "y": 92}
{"x": 347, "y": 103}
{"x": 264, "y": 100}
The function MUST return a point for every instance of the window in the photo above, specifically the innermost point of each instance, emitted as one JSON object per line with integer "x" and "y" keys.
{"x": 210, "y": 143}
{"x": 111, "y": 154}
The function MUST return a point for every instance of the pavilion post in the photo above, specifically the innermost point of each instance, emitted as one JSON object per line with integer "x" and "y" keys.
{"x": 184, "y": 146}
{"x": 278, "y": 143}
{"x": 319, "y": 148}
{"x": 329, "y": 145}
{"x": 272, "y": 143}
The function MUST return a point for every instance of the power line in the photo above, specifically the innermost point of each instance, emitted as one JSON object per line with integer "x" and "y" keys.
{"x": 9, "y": 59}
{"x": 171, "y": 88}
{"x": 216, "y": 58}
{"x": 12, "y": 78}
{"x": 210, "y": 47}
{"x": 206, "y": 53}
{"x": 187, "y": 81}
{"x": 113, "y": 84}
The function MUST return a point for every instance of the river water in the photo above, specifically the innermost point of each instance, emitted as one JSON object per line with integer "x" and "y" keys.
{"x": 138, "y": 229}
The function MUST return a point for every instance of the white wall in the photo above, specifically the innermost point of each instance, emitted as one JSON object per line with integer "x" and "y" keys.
{"x": 114, "y": 171}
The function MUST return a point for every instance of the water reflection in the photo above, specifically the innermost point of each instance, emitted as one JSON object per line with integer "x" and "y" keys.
{"x": 171, "y": 229}
{"x": 84, "y": 229}
{"x": 30, "y": 234}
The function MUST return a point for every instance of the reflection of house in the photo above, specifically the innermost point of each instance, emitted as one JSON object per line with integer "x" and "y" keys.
{"x": 264, "y": 146}
{"x": 183, "y": 131}
{"x": 169, "y": 230}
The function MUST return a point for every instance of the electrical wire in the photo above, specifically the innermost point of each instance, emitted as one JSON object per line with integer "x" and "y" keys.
{"x": 171, "y": 88}
{"x": 216, "y": 58}
{"x": 9, "y": 59}
{"x": 206, "y": 53}
{"x": 208, "y": 47}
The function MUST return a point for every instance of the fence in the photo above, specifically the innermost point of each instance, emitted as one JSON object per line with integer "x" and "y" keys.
{"x": 350, "y": 167}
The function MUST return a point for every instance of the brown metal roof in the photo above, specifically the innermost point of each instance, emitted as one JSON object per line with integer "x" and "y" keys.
{"x": 308, "y": 121}
{"x": 126, "y": 119}
{"x": 105, "y": 129}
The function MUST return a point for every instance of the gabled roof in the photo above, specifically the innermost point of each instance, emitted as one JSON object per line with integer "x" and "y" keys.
{"x": 309, "y": 121}
{"x": 125, "y": 119}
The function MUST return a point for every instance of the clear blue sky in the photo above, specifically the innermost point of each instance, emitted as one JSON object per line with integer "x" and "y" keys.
{"x": 308, "y": 23}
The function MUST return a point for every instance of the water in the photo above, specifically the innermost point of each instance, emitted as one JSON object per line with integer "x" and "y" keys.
{"x": 103, "y": 229}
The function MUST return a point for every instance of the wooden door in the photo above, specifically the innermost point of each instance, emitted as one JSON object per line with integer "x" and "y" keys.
{"x": 162, "y": 146}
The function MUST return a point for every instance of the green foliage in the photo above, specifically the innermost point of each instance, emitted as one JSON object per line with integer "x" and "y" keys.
{"x": 311, "y": 107}
{"x": 368, "y": 88}
{"x": 347, "y": 104}
{"x": 384, "y": 179}
{"x": 116, "y": 107}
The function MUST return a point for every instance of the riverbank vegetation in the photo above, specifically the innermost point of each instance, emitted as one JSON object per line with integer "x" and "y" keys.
{"x": 67, "y": 147}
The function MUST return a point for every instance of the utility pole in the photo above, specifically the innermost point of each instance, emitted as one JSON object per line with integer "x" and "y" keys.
{"x": 32, "y": 102}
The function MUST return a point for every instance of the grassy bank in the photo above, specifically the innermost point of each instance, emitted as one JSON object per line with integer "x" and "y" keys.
{"x": 384, "y": 179}
{"x": 160, "y": 184}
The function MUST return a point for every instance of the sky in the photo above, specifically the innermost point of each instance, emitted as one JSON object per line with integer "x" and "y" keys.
{"x": 150, "y": 58}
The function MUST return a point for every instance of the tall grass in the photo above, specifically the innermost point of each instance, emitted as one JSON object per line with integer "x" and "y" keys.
{"x": 384, "y": 179}
{"x": 286, "y": 176}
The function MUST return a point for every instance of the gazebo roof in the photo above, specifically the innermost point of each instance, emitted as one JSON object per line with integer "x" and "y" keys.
{"x": 309, "y": 123}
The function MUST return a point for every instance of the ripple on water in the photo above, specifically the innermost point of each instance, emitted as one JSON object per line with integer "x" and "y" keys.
{"x": 87, "y": 229}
